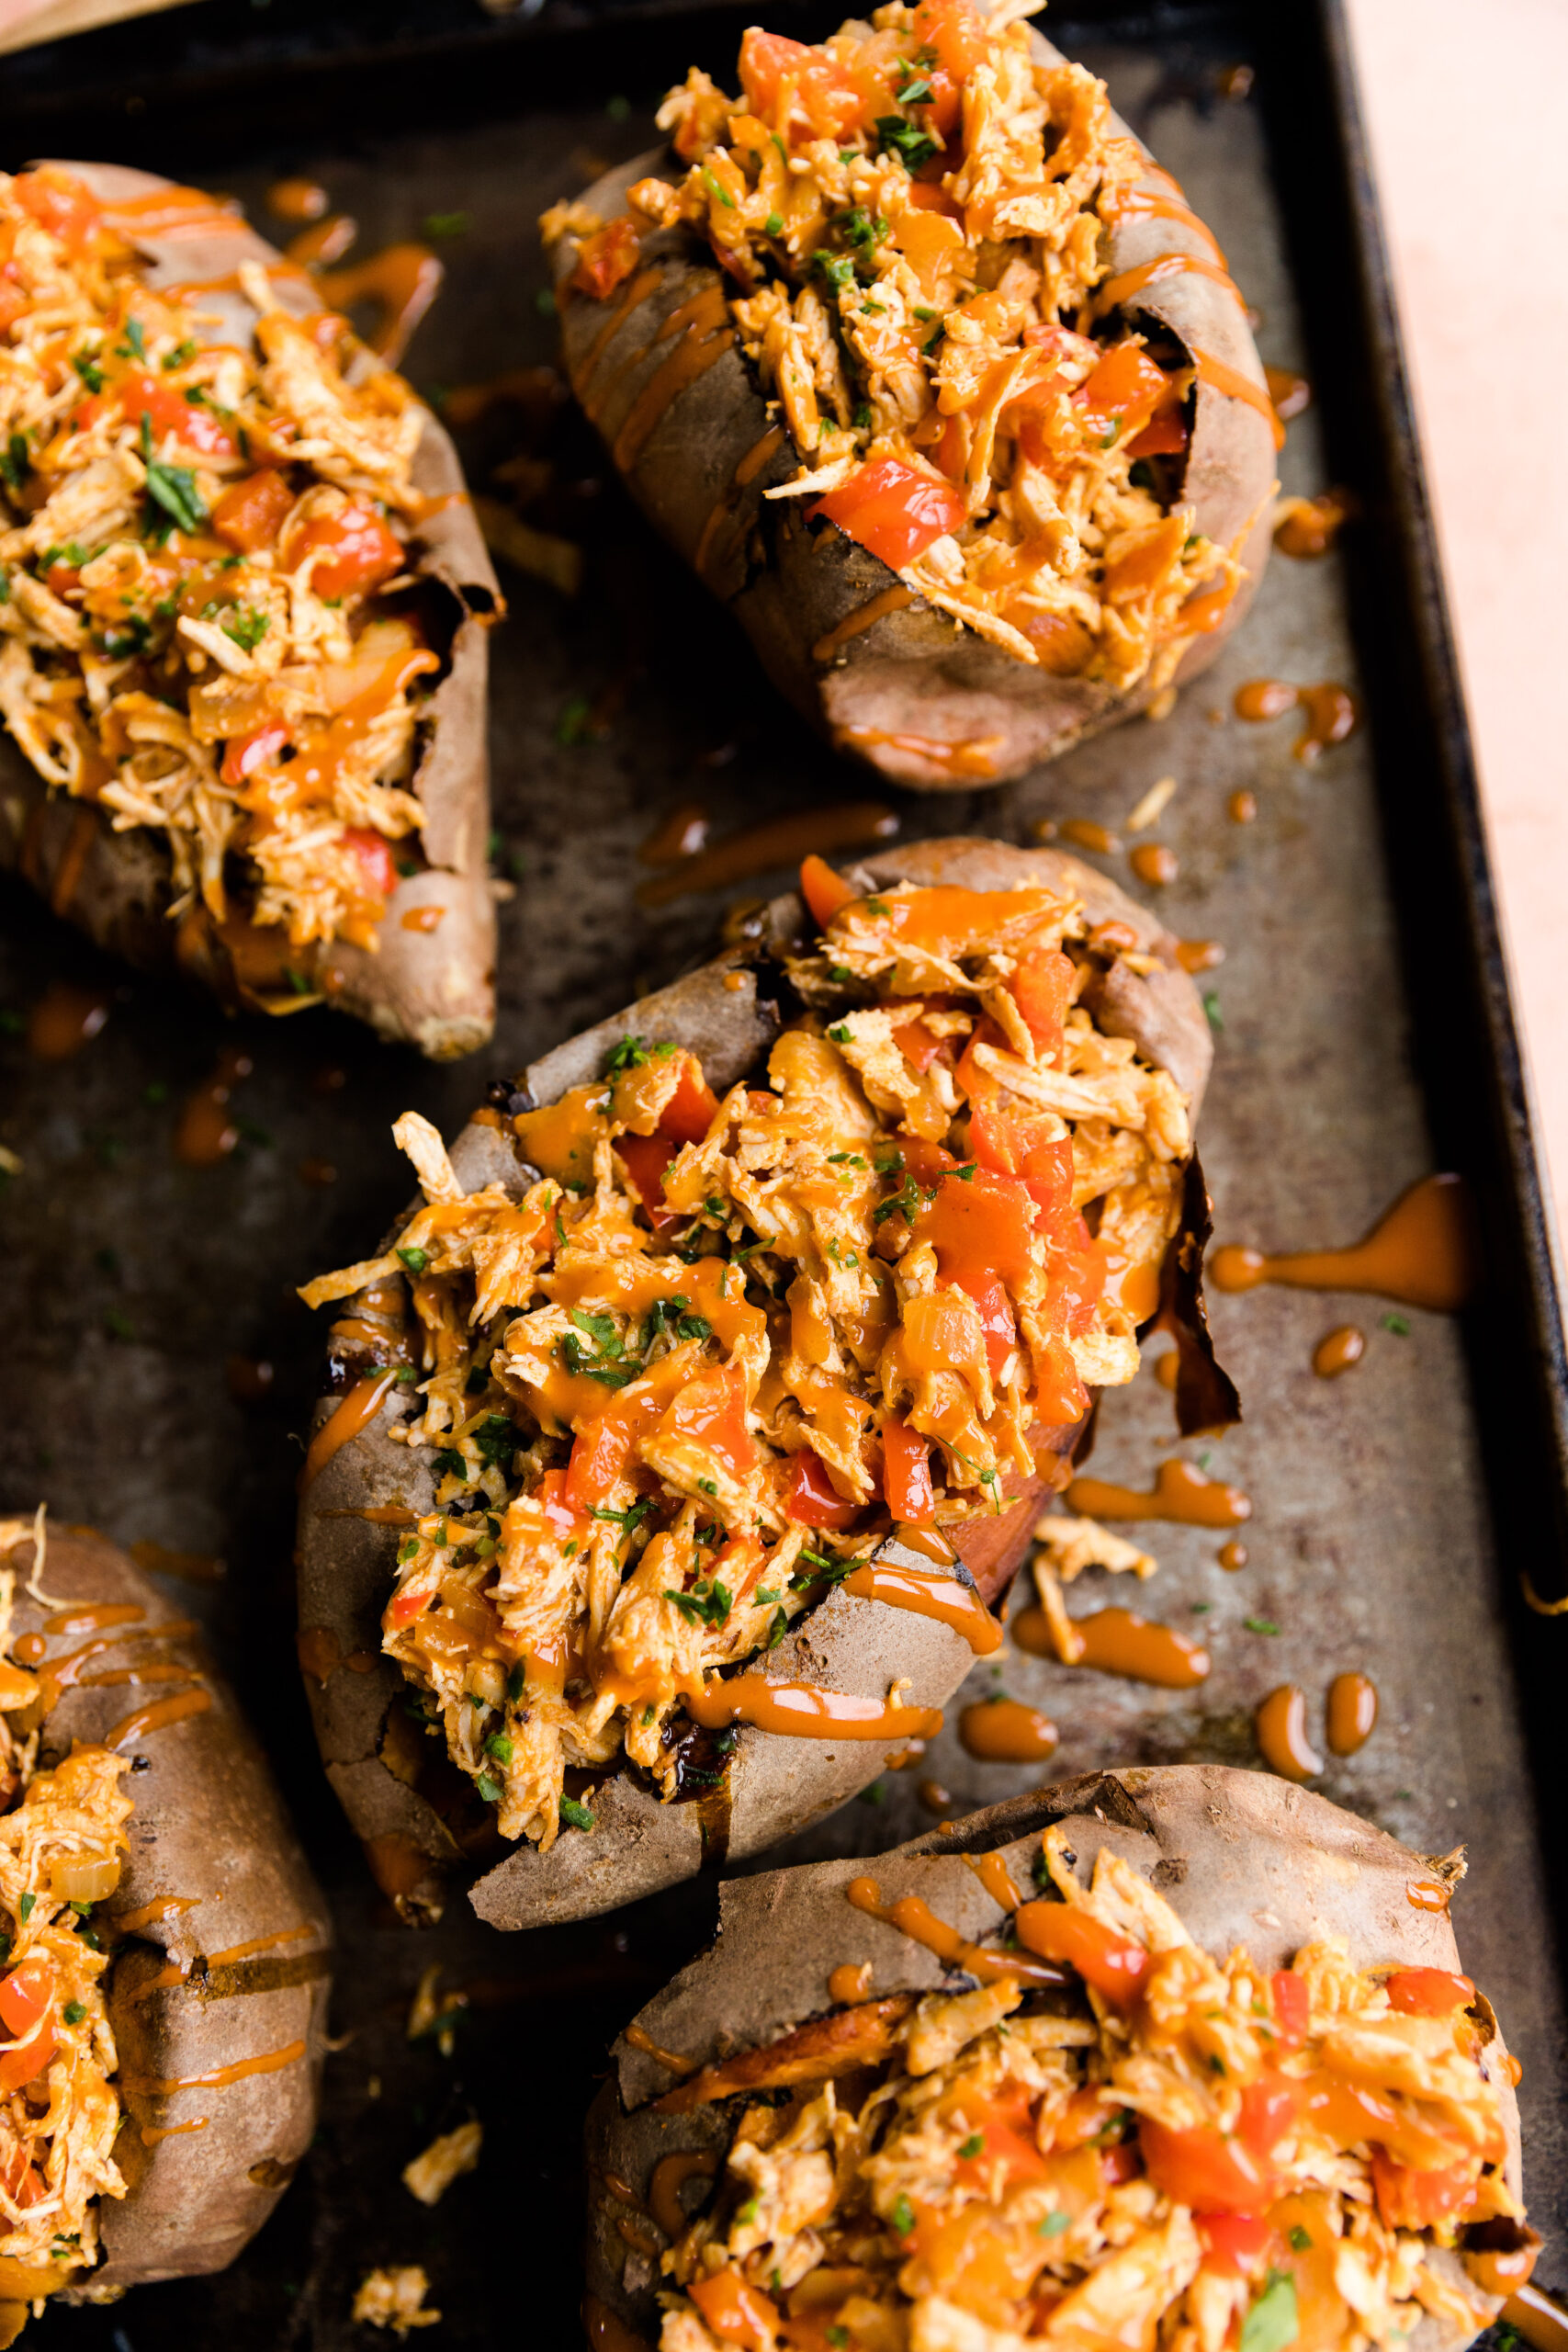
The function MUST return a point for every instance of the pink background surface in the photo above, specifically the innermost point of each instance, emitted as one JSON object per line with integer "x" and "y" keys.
{"x": 1464, "y": 110}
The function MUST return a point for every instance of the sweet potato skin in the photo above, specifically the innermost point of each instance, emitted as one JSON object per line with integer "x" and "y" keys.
{"x": 775, "y": 1785}
{"x": 241, "y": 1971}
{"x": 913, "y": 673}
{"x": 432, "y": 989}
{"x": 1243, "y": 1858}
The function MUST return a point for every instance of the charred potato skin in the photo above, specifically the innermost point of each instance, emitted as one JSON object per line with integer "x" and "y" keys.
{"x": 431, "y": 988}
{"x": 912, "y": 672}
{"x": 400, "y": 1805}
{"x": 209, "y": 1831}
{"x": 1242, "y": 1857}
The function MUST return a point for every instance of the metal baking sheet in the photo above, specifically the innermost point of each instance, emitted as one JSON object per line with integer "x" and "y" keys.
{"x": 1363, "y": 1039}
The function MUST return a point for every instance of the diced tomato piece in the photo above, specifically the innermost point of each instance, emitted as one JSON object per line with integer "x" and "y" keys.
{"x": 1005, "y": 2124}
{"x": 410, "y": 1604}
{"x": 997, "y": 1319}
{"x": 893, "y": 511}
{"x": 1407, "y": 2199}
{"x": 60, "y": 578}
{"x": 1428, "y": 1992}
{"x": 357, "y": 551}
{"x": 605, "y": 258}
{"x": 736, "y": 2312}
{"x": 954, "y": 30}
{"x": 27, "y": 2001}
{"x": 374, "y": 851}
{"x": 983, "y": 1225}
{"x": 976, "y": 1084}
{"x": 646, "y": 1158}
{"x": 823, "y": 92}
{"x": 811, "y": 1499}
{"x": 1041, "y": 988}
{"x": 1206, "y": 2170}
{"x": 1293, "y": 2007}
{"x": 59, "y": 203}
{"x": 601, "y": 1452}
{"x": 823, "y": 890}
{"x": 1124, "y": 388}
{"x": 907, "y": 1471}
{"x": 243, "y": 754}
{"x": 167, "y": 409}
{"x": 1019, "y": 1143}
{"x": 1233, "y": 2243}
{"x": 1123, "y": 2162}
{"x": 691, "y": 1108}
{"x": 251, "y": 514}
{"x": 1113, "y": 1965}
{"x": 1164, "y": 435}
{"x": 918, "y": 1045}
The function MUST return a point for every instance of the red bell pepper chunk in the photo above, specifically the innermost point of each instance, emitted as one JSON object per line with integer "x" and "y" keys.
{"x": 1113, "y": 1965}
{"x": 407, "y": 1606}
{"x": 243, "y": 754}
{"x": 374, "y": 851}
{"x": 830, "y": 101}
{"x": 997, "y": 1319}
{"x": 1163, "y": 435}
{"x": 956, "y": 33}
{"x": 58, "y": 203}
{"x": 26, "y": 2002}
{"x": 893, "y": 511}
{"x": 1293, "y": 2007}
{"x": 1268, "y": 2108}
{"x": 811, "y": 1499}
{"x": 251, "y": 514}
{"x": 167, "y": 409}
{"x": 1233, "y": 2243}
{"x": 356, "y": 549}
{"x": 1407, "y": 2199}
{"x": 982, "y": 1224}
{"x": 907, "y": 1471}
{"x": 602, "y": 1453}
{"x": 1428, "y": 1992}
{"x": 645, "y": 1159}
{"x": 1206, "y": 2170}
{"x": 736, "y": 2313}
{"x": 1123, "y": 390}
{"x": 605, "y": 258}
{"x": 691, "y": 1108}
{"x": 1019, "y": 1143}
{"x": 561, "y": 1516}
{"x": 711, "y": 1411}
{"x": 823, "y": 890}
{"x": 1041, "y": 988}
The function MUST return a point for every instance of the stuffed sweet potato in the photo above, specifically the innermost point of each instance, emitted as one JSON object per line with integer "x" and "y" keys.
{"x": 167, "y": 1951}
{"x": 934, "y": 378}
{"x": 1216, "y": 2077}
{"x": 242, "y": 612}
{"x": 681, "y": 1438}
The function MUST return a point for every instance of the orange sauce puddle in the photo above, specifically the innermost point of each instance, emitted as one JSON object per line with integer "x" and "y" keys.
{"x": 297, "y": 199}
{"x": 353, "y": 1412}
{"x": 402, "y": 282}
{"x": 1352, "y": 1712}
{"x": 158, "y": 1716}
{"x": 1222, "y": 377}
{"x": 864, "y": 617}
{"x": 916, "y": 1919}
{"x": 1084, "y": 833}
{"x": 941, "y": 1598}
{"x": 1118, "y": 1641}
{"x": 207, "y": 1133}
{"x": 801, "y": 1710}
{"x": 1337, "y": 1350}
{"x": 973, "y": 756}
{"x": 777, "y": 840}
{"x": 1155, "y": 864}
{"x": 1288, "y": 394}
{"x": 1420, "y": 1253}
{"x": 1182, "y": 1495}
{"x": 681, "y": 834}
{"x": 606, "y": 2331}
{"x": 64, "y": 1019}
{"x": 638, "y": 2040}
{"x": 1242, "y": 807}
{"x": 1004, "y": 1731}
{"x": 422, "y": 918}
{"x": 1281, "y": 1726}
{"x": 1199, "y": 955}
{"x": 1332, "y": 711}
{"x": 1310, "y": 526}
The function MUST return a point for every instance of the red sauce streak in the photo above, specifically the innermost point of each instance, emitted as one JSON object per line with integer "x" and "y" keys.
{"x": 975, "y": 756}
{"x": 64, "y": 1019}
{"x": 1004, "y": 1731}
{"x": 703, "y": 325}
{"x": 402, "y": 281}
{"x": 864, "y": 617}
{"x": 777, "y": 840}
{"x": 802, "y": 1711}
{"x": 1117, "y": 1641}
{"x": 1084, "y": 833}
{"x": 297, "y": 199}
{"x": 1352, "y": 1712}
{"x": 148, "y": 1915}
{"x": 152, "y": 2133}
{"x": 1182, "y": 1495}
{"x": 319, "y": 246}
{"x": 670, "y": 2176}
{"x": 1542, "y": 2323}
{"x": 1281, "y": 1728}
{"x": 996, "y": 1879}
{"x": 1118, "y": 291}
{"x": 941, "y": 1598}
{"x": 1222, "y": 377}
{"x": 916, "y": 1919}
{"x": 681, "y": 834}
{"x": 1420, "y": 1252}
{"x": 638, "y": 2040}
{"x": 1332, "y": 711}
{"x": 158, "y": 1717}
{"x": 750, "y": 466}
{"x": 218, "y": 2078}
{"x": 1288, "y": 392}
{"x": 353, "y": 1412}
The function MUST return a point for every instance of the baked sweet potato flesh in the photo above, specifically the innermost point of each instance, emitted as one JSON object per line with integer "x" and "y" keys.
{"x": 220, "y": 1941}
{"x": 709, "y": 412}
{"x": 1245, "y": 1862}
{"x": 428, "y": 979}
{"x": 370, "y": 1503}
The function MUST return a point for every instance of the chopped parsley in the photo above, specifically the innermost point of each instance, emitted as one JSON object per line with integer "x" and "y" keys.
{"x": 773, "y": 225}
{"x": 905, "y": 139}
{"x": 415, "y": 1260}
{"x": 25, "y": 1908}
{"x": 170, "y": 488}
{"x": 1396, "y": 1324}
{"x": 87, "y": 367}
{"x": 245, "y": 629}
{"x": 835, "y": 269}
{"x": 706, "y": 1604}
{"x": 1260, "y": 1624}
{"x": 1053, "y": 2226}
{"x": 73, "y": 2012}
{"x": 496, "y": 1438}
{"x": 1301, "y": 2239}
{"x": 574, "y": 1816}
{"x": 15, "y": 463}
{"x": 903, "y": 2219}
{"x": 500, "y": 1747}
{"x": 490, "y": 1790}
{"x": 135, "y": 344}
{"x": 973, "y": 2145}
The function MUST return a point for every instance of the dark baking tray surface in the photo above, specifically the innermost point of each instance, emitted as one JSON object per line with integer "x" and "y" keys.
{"x": 1367, "y": 1038}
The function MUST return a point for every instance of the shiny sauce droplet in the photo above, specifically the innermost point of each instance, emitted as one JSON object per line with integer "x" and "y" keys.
{"x": 1156, "y": 864}
{"x": 1004, "y": 1731}
{"x": 1427, "y": 1895}
{"x": 1232, "y": 1556}
{"x": 1084, "y": 833}
{"x": 1199, "y": 955}
{"x": 324, "y": 243}
{"x": 297, "y": 199}
{"x": 1242, "y": 807}
{"x": 1352, "y": 1712}
{"x": 1309, "y": 526}
{"x": 934, "y": 1798}
{"x": 1118, "y": 1641}
{"x": 849, "y": 1983}
{"x": 1420, "y": 1252}
{"x": 64, "y": 1019}
{"x": 1331, "y": 711}
{"x": 208, "y": 1132}
{"x": 1182, "y": 1495}
{"x": 1281, "y": 1726}
{"x": 1337, "y": 1350}
{"x": 682, "y": 834}
{"x": 1288, "y": 392}
{"x": 1539, "y": 2320}
{"x": 1167, "y": 1368}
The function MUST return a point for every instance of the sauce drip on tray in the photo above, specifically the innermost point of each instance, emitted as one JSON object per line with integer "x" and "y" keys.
{"x": 1337, "y": 1350}
{"x": 1332, "y": 712}
{"x": 1420, "y": 1252}
{"x": 1005, "y": 1731}
{"x": 1281, "y": 1726}
{"x": 1182, "y": 1495}
{"x": 1352, "y": 1712}
{"x": 1118, "y": 1641}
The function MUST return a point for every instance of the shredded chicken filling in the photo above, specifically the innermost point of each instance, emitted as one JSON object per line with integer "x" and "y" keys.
{"x": 719, "y": 1346}
{"x": 1193, "y": 2153}
{"x": 196, "y": 551}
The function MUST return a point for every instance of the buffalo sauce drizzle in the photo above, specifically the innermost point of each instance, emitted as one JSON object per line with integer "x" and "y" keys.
{"x": 802, "y": 1711}
{"x": 864, "y": 617}
{"x": 158, "y": 1715}
{"x": 353, "y": 1413}
{"x": 705, "y": 334}
{"x": 1420, "y": 1253}
{"x": 1118, "y": 1641}
{"x": 671, "y": 2059}
{"x": 1281, "y": 1728}
{"x": 971, "y": 756}
{"x": 670, "y": 2176}
{"x": 915, "y": 1918}
{"x": 402, "y": 282}
{"x": 63, "y": 1020}
{"x": 777, "y": 840}
{"x": 1221, "y": 376}
{"x": 746, "y": 472}
{"x": 218, "y": 2078}
{"x": 1005, "y": 1730}
{"x": 942, "y": 1597}
{"x": 1182, "y": 1495}
{"x": 1332, "y": 711}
